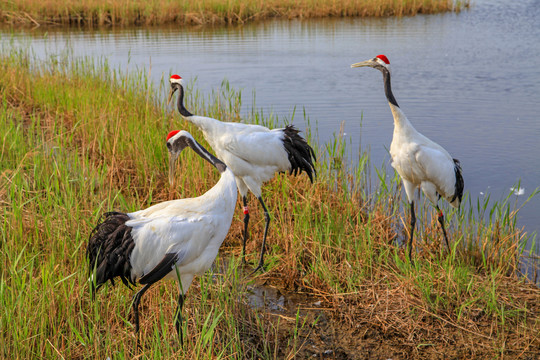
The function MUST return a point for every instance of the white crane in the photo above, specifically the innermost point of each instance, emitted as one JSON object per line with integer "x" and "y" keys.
{"x": 175, "y": 239}
{"x": 253, "y": 152}
{"x": 420, "y": 162}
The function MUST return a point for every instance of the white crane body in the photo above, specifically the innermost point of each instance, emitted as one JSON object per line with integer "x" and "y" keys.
{"x": 421, "y": 162}
{"x": 246, "y": 149}
{"x": 194, "y": 229}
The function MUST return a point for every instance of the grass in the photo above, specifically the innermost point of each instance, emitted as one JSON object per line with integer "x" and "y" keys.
{"x": 157, "y": 12}
{"x": 73, "y": 145}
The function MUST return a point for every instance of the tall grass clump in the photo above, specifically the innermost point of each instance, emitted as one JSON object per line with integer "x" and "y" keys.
{"x": 80, "y": 138}
{"x": 156, "y": 12}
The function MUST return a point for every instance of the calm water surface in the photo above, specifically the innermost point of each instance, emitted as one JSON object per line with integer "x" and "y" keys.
{"x": 469, "y": 81}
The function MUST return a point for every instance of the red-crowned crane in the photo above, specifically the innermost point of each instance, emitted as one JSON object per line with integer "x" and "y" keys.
{"x": 175, "y": 239}
{"x": 420, "y": 162}
{"x": 253, "y": 152}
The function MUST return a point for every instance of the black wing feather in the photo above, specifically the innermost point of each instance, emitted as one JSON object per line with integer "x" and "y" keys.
{"x": 109, "y": 249}
{"x": 460, "y": 184}
{"x": 300, "y": 154}
{"x": 160, "y": 270}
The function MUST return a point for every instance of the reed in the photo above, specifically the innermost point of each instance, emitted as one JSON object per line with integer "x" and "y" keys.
{"x": 73, "y": 145}
{"x": 158, "y": 12}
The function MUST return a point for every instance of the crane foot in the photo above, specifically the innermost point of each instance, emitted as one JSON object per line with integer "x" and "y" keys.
{"x": 259, "y": 267}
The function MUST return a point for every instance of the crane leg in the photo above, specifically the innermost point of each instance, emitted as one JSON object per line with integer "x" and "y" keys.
{"x": 136, "y": 301}
{"x": 441, "y": 221}
{"x": 413, "y": 222}
{"x": 267, "y": 217}
{"x": 178, "y": 317}
{"x": 246, "y": 221}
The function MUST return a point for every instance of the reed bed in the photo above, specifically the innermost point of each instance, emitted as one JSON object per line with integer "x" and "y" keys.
{"x": 79, "y": 138}
{"x": 196, "y": 12}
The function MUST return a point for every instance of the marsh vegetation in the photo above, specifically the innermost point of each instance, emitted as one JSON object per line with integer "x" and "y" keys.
{"x": 197, "y": 12}
{"x": 73, "y": 145}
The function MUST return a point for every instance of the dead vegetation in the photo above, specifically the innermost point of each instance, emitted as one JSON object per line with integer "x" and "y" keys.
{"x": 199, "y": 12}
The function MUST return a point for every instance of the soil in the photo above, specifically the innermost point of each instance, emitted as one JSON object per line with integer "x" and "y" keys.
{"x": 355, "y": 327}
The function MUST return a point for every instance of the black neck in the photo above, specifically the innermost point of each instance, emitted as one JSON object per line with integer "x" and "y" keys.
{"x": 183, "y": 141}
{"x": 388, "y": 87}
{"x": 199, "y": 149}
{"x": 183, "y": 111}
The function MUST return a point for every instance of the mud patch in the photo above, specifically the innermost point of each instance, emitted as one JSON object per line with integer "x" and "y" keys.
{"x": 321, "y": 334}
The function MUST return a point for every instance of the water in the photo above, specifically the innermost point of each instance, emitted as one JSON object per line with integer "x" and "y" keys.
{"x": 469, "y": 81}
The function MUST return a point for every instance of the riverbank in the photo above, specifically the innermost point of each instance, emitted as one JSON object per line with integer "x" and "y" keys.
{"x": 199, "y": 12}
{"x": 80, "y": 138}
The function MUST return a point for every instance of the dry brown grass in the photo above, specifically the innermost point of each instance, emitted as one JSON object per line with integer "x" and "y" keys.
{"x": 157, "y": 12}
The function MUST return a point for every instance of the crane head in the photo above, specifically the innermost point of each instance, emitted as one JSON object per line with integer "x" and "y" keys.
{"x": 175, "y": 81}
{"x": 173, "y": 155}
{"x": 379, "y": 62}
{"x": 177, "y": 140}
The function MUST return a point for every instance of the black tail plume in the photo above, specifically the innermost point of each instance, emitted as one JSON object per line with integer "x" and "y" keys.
{"x": 460, "y": 184}
{"x": 109, "y": 249}
{"x": 301, "y": 155}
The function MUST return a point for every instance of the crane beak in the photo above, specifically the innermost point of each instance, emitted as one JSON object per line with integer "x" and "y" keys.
{"x": 171, "y": 93}
{"x": 369, "y": 63}
{"x": 172, "y": 167}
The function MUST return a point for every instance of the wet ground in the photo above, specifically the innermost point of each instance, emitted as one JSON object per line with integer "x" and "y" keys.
{"x": 378, "y": 324}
